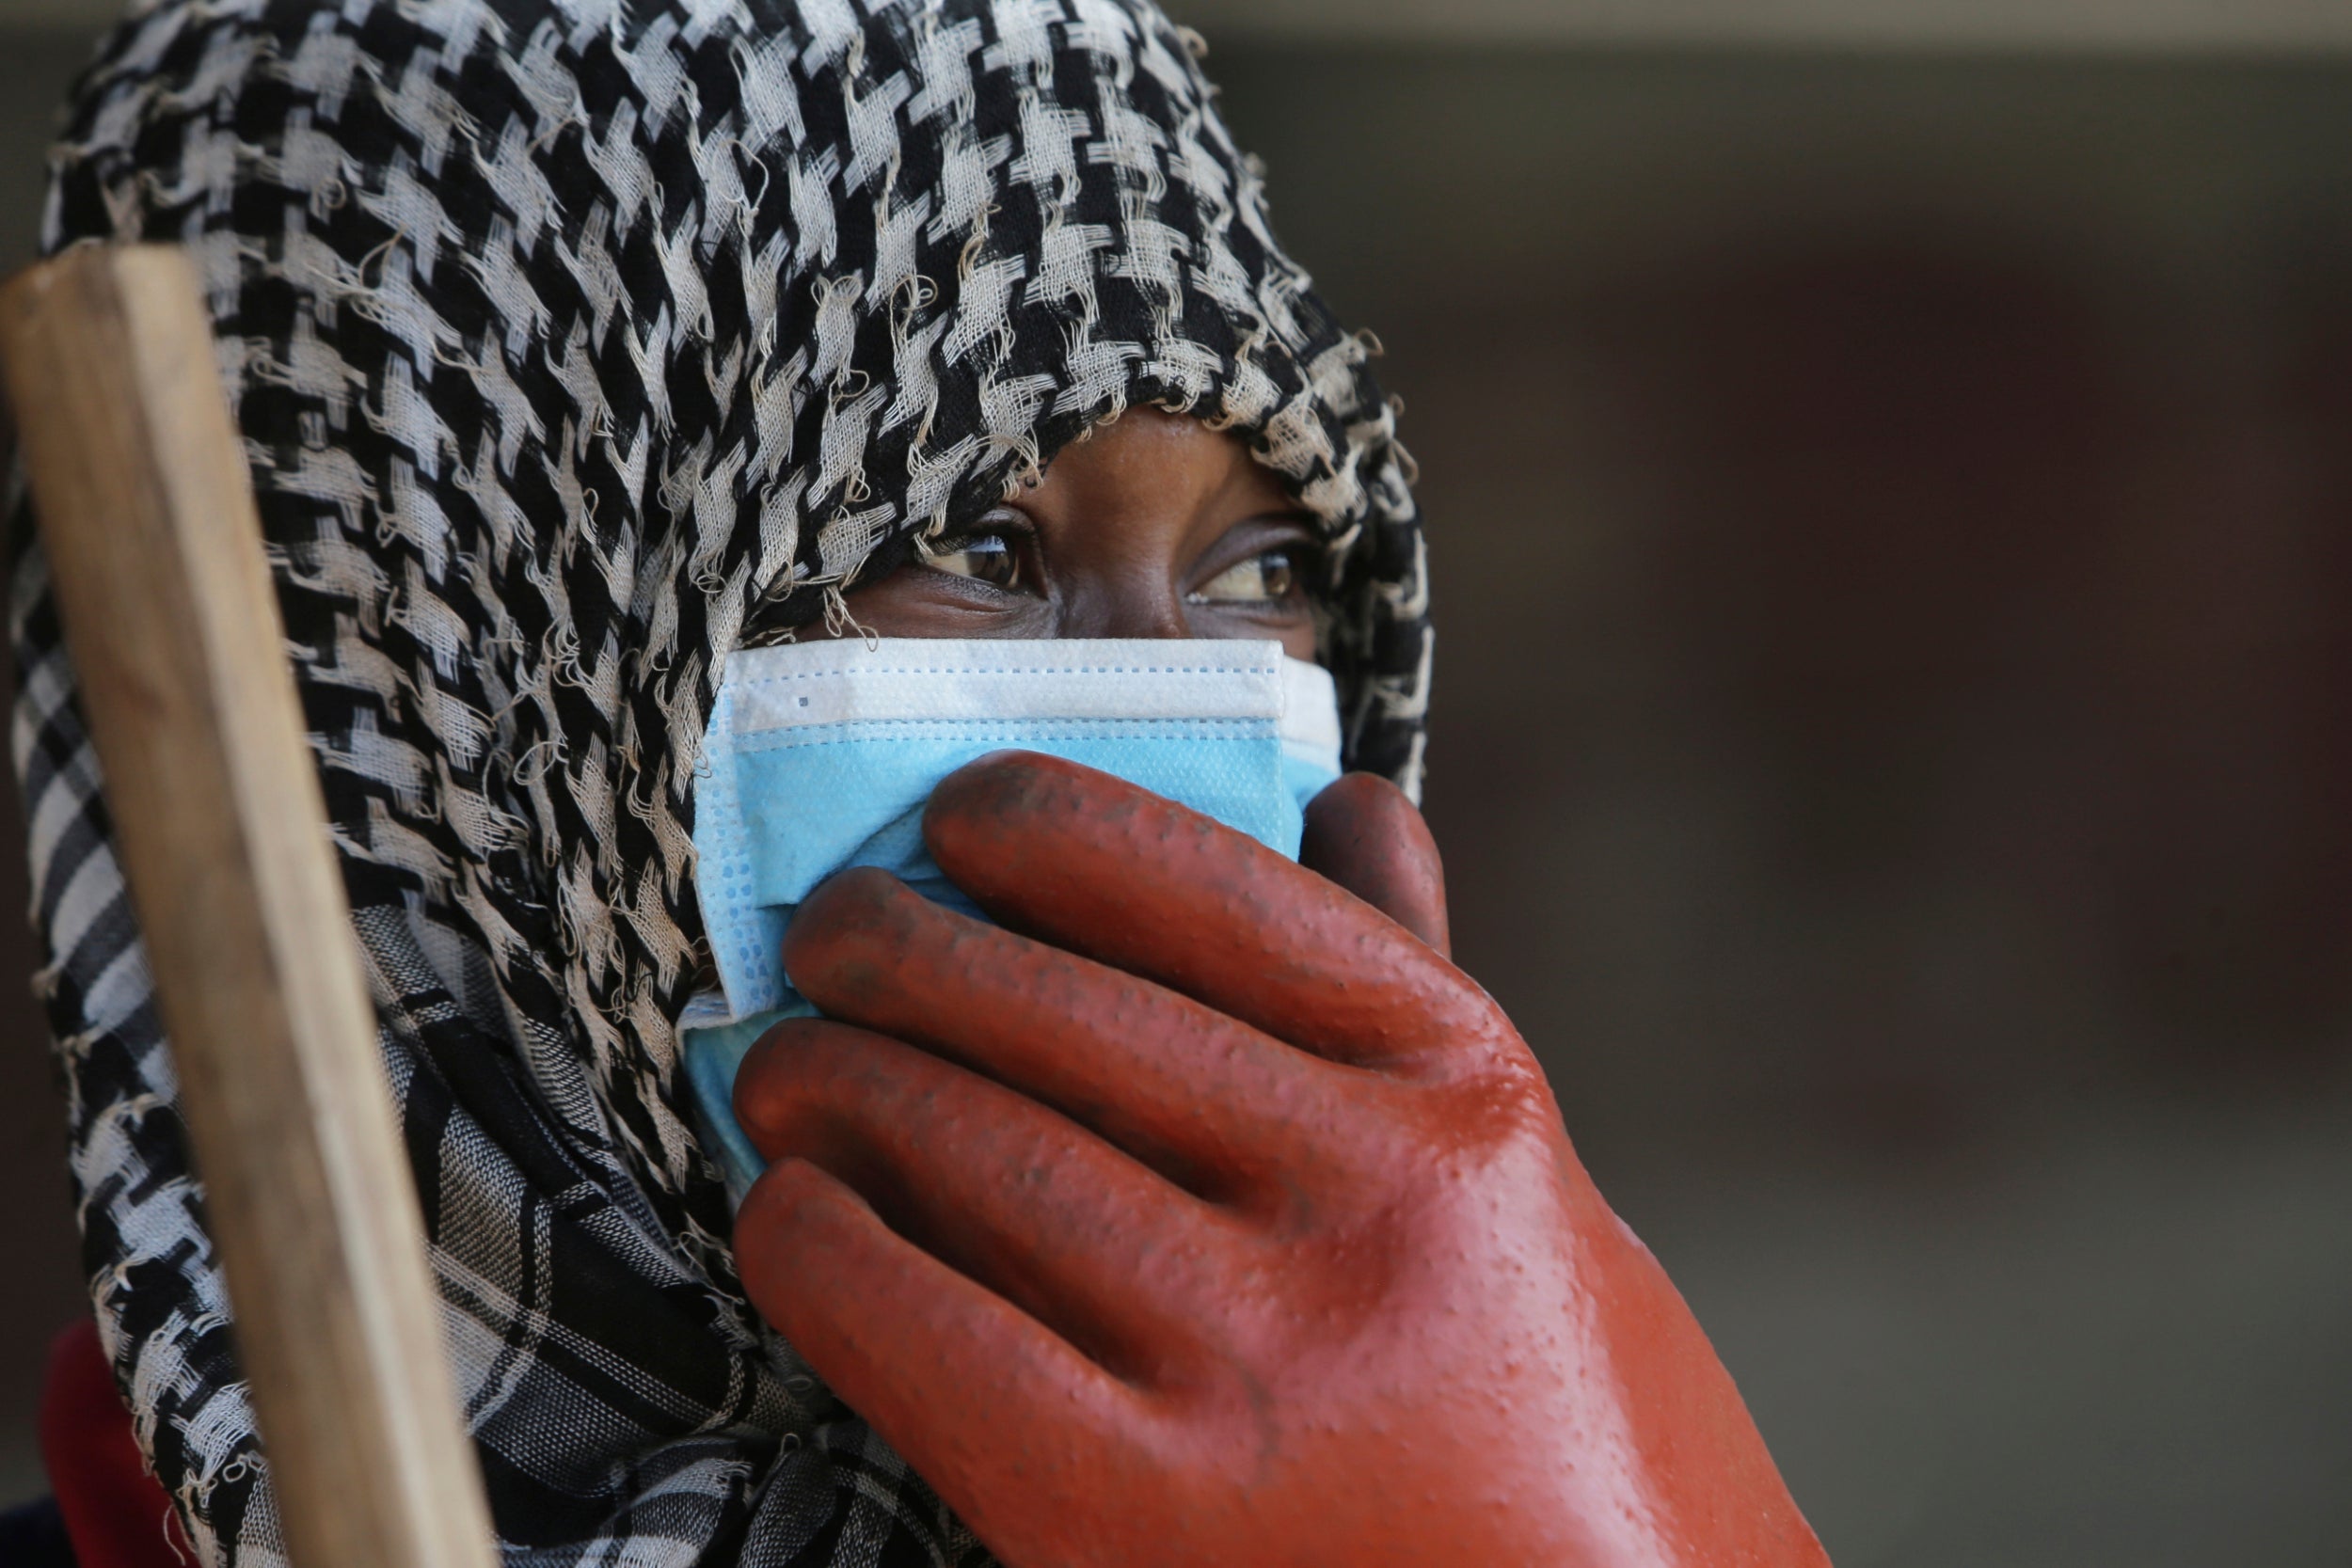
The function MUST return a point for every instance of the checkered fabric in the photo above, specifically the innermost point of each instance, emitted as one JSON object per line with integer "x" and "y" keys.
{"x": 576, "y": 343}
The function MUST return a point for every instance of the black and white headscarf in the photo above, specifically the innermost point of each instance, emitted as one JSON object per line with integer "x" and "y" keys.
{"x": 576, "y": 343}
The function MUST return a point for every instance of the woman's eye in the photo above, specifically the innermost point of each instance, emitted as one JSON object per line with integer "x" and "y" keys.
{"x": 1269, "y": 578}
{"x": 990, "y": 558}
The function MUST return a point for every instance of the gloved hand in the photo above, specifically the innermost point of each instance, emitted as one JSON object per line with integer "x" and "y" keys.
{"x": 1204, "y": 1214}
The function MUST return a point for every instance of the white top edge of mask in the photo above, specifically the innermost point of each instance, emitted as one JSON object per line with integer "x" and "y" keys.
{"x": 846, "y": 680}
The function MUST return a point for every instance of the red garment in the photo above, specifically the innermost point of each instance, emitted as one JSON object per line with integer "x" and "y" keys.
{"x": 116, "y": 1512}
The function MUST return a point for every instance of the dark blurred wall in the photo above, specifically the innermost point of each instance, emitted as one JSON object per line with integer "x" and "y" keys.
{"x": 1893, "y": 516}
{"x": 1891, "y": 521}
{"x": 37, "y": 1244}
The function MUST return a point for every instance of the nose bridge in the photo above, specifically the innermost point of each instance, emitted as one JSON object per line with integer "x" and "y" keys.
{"x": 1136, "y": 596}
{"x": 1121, "y": 572}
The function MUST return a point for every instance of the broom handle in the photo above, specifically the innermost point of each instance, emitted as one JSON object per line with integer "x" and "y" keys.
{"x": 139, "y": 481}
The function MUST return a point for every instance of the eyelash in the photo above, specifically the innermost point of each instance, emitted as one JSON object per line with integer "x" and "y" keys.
{"x": 1283, "y": 572}
{"x": 1012, "y": 543}
{"x": 1283, "y": 566}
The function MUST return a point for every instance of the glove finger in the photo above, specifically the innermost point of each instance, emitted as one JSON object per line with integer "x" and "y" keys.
{"x": 1106, "y": 1253}
{"x": 1103, "y": 868}
{"x": 1210, "y": 1103}
{"x": 1365, "y": 836}
{"x": 986, "y": 1404}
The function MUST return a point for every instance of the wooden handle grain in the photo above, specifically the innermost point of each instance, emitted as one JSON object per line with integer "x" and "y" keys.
{"x": 140, "y": 482}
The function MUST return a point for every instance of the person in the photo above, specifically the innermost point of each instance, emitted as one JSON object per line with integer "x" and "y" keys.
{"x": 1193, "y": 1206}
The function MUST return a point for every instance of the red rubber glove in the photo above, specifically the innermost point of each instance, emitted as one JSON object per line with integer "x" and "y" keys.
{"x": 117, "y": 1513}
{"x": 1218, "y": 1218}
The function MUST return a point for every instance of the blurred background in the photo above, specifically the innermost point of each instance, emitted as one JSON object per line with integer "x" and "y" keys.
{"x": 1890, "y": 464}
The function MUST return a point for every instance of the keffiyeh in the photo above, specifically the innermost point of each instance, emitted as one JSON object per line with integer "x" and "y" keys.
{"x": 575, "y": 344}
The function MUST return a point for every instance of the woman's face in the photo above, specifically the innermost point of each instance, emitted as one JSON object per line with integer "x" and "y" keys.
{"x": 1156, "y": 527}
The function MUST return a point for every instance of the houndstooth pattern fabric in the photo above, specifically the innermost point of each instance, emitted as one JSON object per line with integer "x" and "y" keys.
{"x": 575, "y": 344}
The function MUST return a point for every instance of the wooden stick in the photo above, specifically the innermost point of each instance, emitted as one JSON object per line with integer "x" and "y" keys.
{"x": 139, "y": 481}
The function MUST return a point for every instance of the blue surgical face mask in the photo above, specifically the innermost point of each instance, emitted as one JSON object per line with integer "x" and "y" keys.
{"x": 820, "y": 755}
